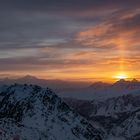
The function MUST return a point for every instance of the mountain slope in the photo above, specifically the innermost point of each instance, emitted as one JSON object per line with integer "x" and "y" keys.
{"x": 119, "y": 116}
{"x": 33, "y": 113}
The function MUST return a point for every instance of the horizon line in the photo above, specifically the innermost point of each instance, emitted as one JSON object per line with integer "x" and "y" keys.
{"x": 100, "y": 79}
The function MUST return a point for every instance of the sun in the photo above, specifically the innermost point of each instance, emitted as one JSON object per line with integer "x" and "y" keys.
{"x": 121, "y": 75}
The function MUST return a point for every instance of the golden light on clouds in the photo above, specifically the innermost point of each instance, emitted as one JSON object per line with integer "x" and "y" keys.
{"x": 118, "y": 38}
{"x": 103, "y": 45}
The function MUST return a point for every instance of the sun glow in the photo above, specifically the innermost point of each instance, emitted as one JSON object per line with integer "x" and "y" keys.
{"x": 121, "y": 76}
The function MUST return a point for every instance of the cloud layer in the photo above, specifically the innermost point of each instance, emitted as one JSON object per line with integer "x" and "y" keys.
{"x": 69, "y": 39}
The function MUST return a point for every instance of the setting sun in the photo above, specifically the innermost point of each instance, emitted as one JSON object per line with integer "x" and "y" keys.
{"x": 121, "y": 76}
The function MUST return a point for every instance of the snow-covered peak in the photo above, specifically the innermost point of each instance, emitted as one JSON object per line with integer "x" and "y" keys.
{"x": 121, "y": 82}
{"x": 21, "y": 92}
{"x": 33, "y": 113}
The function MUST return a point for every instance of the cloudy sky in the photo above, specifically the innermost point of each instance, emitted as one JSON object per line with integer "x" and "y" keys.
{"x": 70, "y": 39}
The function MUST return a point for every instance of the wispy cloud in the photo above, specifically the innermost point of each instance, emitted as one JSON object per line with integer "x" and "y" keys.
{"x": 119, "y": 31}
{"x": 69, "y": 38}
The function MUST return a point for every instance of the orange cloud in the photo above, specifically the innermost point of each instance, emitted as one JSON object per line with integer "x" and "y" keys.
{"x": 119, "y": 31}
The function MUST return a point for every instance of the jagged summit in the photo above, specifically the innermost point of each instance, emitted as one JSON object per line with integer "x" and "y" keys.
{"x": 34, "y": 113}
{"x": 123, "y": 82}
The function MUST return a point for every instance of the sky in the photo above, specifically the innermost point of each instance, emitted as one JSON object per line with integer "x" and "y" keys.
{"x": 70, "y": 39}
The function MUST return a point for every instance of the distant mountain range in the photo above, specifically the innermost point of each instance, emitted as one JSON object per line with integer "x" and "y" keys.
{"x": 55, "y": 84}
{"x": 80, "y": 90}
{"x": 101, "y": 91}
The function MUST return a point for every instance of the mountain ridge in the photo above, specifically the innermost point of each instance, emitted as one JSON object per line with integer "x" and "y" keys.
{"x": 33, "y": 113}
{"x": 118, "y": 116}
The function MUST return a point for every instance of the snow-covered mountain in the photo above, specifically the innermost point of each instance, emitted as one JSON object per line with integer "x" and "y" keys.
{"x": 55, "y": 84}
{"x": 29, "y": 112}
{"x": 102, "y": 91}
{"x": 119, "y": 116}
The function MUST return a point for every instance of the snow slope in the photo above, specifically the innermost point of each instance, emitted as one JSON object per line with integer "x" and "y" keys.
{"x": 119, "y": 116}
{"x": 29, "y": 112}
